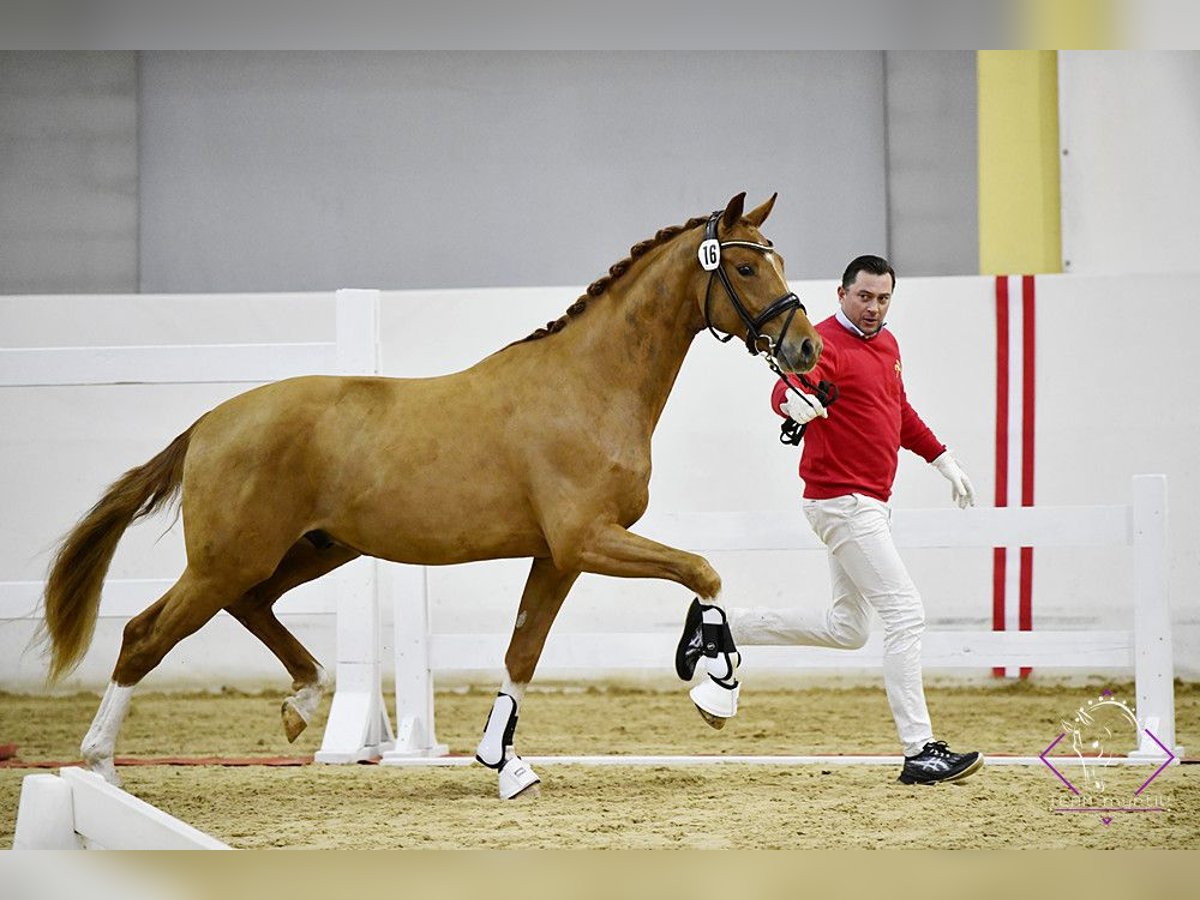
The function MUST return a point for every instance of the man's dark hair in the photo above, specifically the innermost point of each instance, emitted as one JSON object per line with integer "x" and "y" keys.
{"x": 876, "y": 265}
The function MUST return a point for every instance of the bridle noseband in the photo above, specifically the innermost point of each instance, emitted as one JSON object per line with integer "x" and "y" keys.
{"x": 710, "y": 260}
{"x": 757, "y": 342}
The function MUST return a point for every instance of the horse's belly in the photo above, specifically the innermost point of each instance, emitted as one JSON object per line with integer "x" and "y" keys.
{"x": 451, "y": 548}
{"x": 439, "y": 531}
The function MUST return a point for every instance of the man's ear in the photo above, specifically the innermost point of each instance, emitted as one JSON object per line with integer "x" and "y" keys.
{"x": 759, "y": 214}
{"x": 733, "y": 211}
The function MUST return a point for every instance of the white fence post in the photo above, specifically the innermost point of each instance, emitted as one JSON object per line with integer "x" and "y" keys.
{"x": 45, "y": 815}
{"x": 1154, "y": 667}
{"x": 358, "y": 727}
{"x": 414, "y": 679}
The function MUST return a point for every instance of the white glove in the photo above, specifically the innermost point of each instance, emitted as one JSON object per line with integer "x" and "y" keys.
{"x": 960, "y": 485}
{"x": 803, "y": 408}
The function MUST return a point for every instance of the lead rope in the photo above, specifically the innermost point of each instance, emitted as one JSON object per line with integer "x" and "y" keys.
{"x": 791, "y": 432}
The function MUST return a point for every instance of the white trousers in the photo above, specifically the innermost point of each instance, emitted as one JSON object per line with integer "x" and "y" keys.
{"x": 867, "y": 573}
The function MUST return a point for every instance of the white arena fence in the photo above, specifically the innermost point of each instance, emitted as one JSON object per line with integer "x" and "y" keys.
{"x": 360, "y": 730}
{"x": 79, "y": 810}
{"x": 353, "y": 349}
{"x": 359, "y": 726}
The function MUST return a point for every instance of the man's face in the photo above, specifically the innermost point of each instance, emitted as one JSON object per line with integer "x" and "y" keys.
{"x": 866, "y": 301}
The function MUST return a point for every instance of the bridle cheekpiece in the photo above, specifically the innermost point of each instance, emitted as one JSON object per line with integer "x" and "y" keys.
{"x": 757, "y": 342}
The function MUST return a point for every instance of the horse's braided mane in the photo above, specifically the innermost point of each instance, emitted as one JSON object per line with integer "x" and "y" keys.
{"x": 615, "y": 271}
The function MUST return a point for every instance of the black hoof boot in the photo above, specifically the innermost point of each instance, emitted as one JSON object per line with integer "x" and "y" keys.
{"x": 691, "y": 642}
{"x": 701, "y": 639}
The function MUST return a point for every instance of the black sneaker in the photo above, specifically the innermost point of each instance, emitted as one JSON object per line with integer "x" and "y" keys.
{"x": 937, "y": 763}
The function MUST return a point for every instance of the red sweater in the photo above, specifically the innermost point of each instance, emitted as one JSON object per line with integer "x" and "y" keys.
{"x": 855, "y": 450}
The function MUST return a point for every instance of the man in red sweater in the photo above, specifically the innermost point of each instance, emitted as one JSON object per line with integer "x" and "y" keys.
{"x": 848, "y": 465}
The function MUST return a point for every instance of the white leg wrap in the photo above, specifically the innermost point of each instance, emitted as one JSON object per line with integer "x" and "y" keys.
{"x": 722, "y": 666}
{"x": 100, "y": 741}
{"x": 498, "y": 732}
{"x": 717, "y": 694}
{"x": 496, "y": 747}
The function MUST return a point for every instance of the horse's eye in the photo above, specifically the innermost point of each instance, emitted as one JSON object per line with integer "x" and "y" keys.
{"x": 745, "y": 270}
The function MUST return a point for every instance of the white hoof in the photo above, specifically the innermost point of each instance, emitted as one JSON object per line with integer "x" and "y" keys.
{"x": 517, "y": 779}
{"x": 715, "y": 702}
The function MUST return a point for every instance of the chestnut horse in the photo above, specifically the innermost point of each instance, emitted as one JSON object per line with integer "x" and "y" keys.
{"x": 286, "y": 482}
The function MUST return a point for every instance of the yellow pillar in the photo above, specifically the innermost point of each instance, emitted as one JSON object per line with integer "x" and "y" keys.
{"x": 1073, "y": 24}
{"x": 1019, "y": 205}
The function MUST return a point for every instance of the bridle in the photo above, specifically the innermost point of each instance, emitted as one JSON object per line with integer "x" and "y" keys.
{"x": 710, "y": 260}
{"x": 757, "y": 342}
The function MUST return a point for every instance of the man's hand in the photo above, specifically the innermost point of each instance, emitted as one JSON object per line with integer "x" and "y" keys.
{"x": 803, "y": 408}
{"x": 960, "y": 485}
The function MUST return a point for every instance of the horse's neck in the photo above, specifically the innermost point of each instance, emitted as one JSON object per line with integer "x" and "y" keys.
{"x": 636, "y": 335}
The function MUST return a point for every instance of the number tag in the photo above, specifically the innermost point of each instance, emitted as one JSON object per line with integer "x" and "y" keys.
{"x": 710, "y": 254}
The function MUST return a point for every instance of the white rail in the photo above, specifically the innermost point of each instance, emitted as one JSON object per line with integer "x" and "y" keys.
{"x": 79, "y": 810}
{"x": 352, "y": 350}
{"x": 359, "y": 727}
{"x": 1145, "y": 647}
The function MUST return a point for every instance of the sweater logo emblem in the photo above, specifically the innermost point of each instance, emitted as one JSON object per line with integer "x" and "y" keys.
{"x": 897, "y": 368}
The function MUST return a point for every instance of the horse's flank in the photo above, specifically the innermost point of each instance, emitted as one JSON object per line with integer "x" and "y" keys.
{"x": 509, "y": 458}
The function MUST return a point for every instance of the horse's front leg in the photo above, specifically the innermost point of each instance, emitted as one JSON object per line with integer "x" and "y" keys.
{"x": 545, "y": 590}
{"x": 613, "y": 550}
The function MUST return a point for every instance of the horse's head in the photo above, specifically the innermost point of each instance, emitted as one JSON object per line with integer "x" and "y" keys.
{"x": 742, "y": 290}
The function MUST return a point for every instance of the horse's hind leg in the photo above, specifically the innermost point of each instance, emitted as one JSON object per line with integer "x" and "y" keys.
{"x": 187, "y": 605}
{"x": 545, "y": 590}
{"x": 304, "y": 562}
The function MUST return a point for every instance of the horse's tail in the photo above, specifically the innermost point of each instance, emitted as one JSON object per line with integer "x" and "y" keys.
{"x": 77, "y": 574}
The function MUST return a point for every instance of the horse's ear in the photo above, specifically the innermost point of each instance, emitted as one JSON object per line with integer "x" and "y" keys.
{"x": 733, "y": 211}
{"x": 759, "y": 214}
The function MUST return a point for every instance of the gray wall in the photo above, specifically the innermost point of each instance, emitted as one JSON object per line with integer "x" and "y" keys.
{"x": 932, "y": 162}
{"x": 307, "y": 171}
{"x": 430, "y": 169}
{"x": 68, "y": 172}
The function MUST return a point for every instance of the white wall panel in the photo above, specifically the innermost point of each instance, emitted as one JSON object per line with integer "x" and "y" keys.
{"x": 1113, "y": 399}
{"x": 1130, "y": 134}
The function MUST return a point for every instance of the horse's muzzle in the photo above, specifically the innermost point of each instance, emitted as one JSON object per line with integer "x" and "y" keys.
{"x": 802, "y": 356}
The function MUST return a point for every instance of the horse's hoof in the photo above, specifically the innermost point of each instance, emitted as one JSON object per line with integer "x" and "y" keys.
{"x": 531, "y": 792}
{"x": 716, "y": 722}
{"x": 293, "y": 723}
{"x": 716, "y": 702}
{"x": 517, "y": 779}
